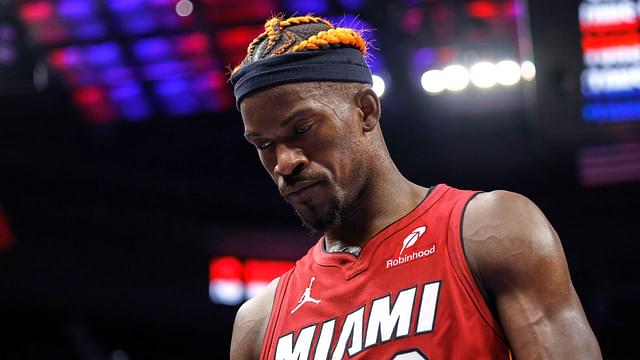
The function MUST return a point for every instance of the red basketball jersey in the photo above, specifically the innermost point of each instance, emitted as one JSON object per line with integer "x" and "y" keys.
{"x": 409, "y": 295}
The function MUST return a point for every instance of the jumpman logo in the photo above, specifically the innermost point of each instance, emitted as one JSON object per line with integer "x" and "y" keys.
{"x": 306, "y": 297}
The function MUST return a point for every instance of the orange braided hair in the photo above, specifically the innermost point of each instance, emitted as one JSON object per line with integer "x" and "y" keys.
{"x": 333, "y": 37}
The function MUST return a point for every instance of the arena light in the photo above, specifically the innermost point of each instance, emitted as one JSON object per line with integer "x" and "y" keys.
{"x": 378, "y": 85}
{"x": 509, "y": 72}
{"x": 456, "y": 77}
{"x": 484, "y": 74}
{"x": 184, "y": 8}
{"x": 232, "y": 281}
{"x": 432, "y": 81}
{"x": 528, "y": 70}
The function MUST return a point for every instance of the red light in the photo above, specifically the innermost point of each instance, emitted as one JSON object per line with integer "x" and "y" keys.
{"x": 91, "y": 101}
{"x": 238, "y": 37}
{"x": 620, "y": 27}
{"x": 482, "y": 9}
{"x": 193, "y": 44}
{"x": 265, "y": 270}
{"x": 36, "y": 11}
{"x": 598, "y": 42}
{"x": 6, "y": 237}
{"x": 89, "y": 96}
{"x": 225, "y": 268}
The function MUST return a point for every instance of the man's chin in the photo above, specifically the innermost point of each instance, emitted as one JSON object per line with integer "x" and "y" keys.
{"x": 319, "y": 224}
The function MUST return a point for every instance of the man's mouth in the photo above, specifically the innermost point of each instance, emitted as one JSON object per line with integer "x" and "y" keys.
{"x": 298, "y": 188}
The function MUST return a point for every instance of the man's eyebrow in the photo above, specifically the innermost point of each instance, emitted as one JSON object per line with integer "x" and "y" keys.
{"x": 294, "y": 115}
{"x": 286, "y": 122}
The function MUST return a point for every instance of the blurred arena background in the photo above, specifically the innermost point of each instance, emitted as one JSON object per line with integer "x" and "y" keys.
{"x": 134, "y": 218}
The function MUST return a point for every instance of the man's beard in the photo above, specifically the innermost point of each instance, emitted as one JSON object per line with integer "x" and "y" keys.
{"x": 321, "y": 223}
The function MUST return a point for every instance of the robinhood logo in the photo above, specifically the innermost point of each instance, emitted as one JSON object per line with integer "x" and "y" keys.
{"x": 408, "y": 242}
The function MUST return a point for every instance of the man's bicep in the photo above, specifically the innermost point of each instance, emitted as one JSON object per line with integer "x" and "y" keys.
{"x": 521, "y": 261}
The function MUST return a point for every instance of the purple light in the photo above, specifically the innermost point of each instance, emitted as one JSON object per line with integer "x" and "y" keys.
{"x": 139, "y": 23}
{"x": 105, "y": 54}
{"x": 76, "y": 9}
{"x": 126, "y": 92}
{"x": 125, "y": 6}
{"x": 352, "y": 5}
{"x": 163, "y": 70}
{"x": 177, "y": 97}
{"x": 116, "y": 75}
{"x": 7, "y": 55}
{"x": 307, "y": 6}
{"x": 423, "y": 58}
{"x": 130, "y": 101}
{"x": 153, "y": 49}
{"x": 88, "y": 30}
{"x": 7, "y": 33}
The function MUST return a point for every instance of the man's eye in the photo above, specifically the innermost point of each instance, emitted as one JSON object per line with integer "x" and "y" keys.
{"x": 303, "y": 129}
{"x": 263, "y": 146}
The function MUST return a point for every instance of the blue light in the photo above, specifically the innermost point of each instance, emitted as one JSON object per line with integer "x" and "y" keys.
{"x": 352, "y": 5}
{"x": 105, "y": 54}
{"x": 126, "y": 92}
{"x": 153, "y": 49}
{"x": 76, "y": 9}
{"x": 130, "y": 101}
{"x": 613, "y": 112}
{"x": 116, "y": 75}
{"x": 136, "y": 110}
{"x": 89, "y": 30}
{"x": 317, "y": 7}
{"x": 125, "y": 6}
{"x": 163, "y": 70}
{"x": 137, "y": 23}
{"x": 171, "y": 88}
{"x": 177, "y": 97}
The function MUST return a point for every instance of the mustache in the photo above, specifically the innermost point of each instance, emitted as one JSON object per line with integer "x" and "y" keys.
{"x": 288, "y": 181}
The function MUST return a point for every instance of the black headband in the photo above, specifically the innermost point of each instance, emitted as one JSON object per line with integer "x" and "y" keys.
{"x": 342, "y": 64}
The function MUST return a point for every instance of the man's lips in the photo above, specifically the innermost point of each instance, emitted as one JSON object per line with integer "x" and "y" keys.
{"x": 298, "y": 187}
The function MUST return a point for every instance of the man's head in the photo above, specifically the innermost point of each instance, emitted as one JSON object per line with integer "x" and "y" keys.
{"x": 313, "y": 118}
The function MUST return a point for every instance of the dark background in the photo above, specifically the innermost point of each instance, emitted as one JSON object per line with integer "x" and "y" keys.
{"x": 114, "y": 225}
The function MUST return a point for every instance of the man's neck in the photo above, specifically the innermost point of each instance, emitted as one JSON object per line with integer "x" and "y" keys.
{"x": 379, "y": 206}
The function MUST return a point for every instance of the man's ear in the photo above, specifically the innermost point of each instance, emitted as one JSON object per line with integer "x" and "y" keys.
{"x": 369, "y": 104}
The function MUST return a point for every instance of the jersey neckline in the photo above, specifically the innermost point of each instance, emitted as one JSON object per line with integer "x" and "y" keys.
{"x": 353, "y": 265}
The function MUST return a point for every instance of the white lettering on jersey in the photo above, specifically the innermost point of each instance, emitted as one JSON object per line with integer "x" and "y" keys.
{"x": 352, "y": 328}
{"x": 428, "y": 307}
{"x": 385, "y": 323}
{"x": 383, "y": 319}
{"x": 324, "y": 343}
{"x": 287, "y": 351}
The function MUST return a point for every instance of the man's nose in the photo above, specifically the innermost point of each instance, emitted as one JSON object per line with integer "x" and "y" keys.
{"x": 289, "y": 159}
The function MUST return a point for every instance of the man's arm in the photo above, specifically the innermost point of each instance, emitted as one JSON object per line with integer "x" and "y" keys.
{"x": 517, "y": 257}
{"x": 250, "y": 325}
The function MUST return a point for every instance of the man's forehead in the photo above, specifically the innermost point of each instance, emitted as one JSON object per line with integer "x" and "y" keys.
{"x": 282, "y": 99}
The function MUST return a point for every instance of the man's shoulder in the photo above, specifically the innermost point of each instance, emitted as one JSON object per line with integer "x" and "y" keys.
{"x": 506, "y": 233}
{"x": 251, "y": 323}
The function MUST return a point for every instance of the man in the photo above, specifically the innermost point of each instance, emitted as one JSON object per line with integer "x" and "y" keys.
{"x": 402, "y": 271}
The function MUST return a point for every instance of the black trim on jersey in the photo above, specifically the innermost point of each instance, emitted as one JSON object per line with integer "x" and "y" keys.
{"x": 435, "y": 310}
{"x": 395, "y": 328}
{"x": 324, "y": 250}
{"x": 333, "y": 335}
{"x": 410, "y": 351}
{"x": 480, "y": 284}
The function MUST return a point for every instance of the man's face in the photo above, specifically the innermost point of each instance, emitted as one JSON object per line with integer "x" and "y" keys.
{"x": 308, "y": 141}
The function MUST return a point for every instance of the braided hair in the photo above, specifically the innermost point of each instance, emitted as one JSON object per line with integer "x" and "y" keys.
{"x": 298, "y": 34}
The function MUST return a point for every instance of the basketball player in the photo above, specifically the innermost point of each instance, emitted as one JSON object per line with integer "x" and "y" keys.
{"x": 402, "y": 271}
